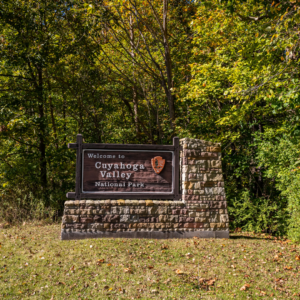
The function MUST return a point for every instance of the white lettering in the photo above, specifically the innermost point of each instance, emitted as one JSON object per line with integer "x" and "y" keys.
{"x": 102, "y": 184}
{"x": 104, "y": 166}
{"x": 142, "y": 184}
{"x": 142, "y": 167}
{"x": 97, "y": 183}
{"x": 109, "y": 166}
{"x": 135, "y": 167}
{"x": 116, "y": 166}
{"x": 128, "y": 175}
{"x": 128, "y": 166}
{"x": 129, "y": 184}
{"x": 111, "y": 184}
{"x": 103, "y": 173}
{"x": 122, "y": 166}
{"x": 123, "y": 175}
{"x": 90, "y": 155}
{"x": 120, "y": 184}
{"x": 96, "y": 164}
{"x": 108, "y": 175}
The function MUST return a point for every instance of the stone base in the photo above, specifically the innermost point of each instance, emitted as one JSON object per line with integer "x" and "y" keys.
{"x": 144, "y": 234}
{"x": 144, "y": 219}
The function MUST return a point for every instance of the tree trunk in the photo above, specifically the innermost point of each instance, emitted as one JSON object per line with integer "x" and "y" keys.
{"x": 42, "y": 145}
{"x": 168, "y": 62}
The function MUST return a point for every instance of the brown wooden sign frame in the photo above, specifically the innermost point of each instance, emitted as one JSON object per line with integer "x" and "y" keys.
{"x": 80, "y": 146}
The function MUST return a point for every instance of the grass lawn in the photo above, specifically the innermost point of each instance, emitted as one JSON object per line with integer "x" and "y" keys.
{"x": 35, "y": 264}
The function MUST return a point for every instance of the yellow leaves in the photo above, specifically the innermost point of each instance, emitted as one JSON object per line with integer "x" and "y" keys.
{"x": 288, "y": 268}
{"x": 282, "y": 58}
{"x": 245, "y": 287}
{"x": 298, "y": 257}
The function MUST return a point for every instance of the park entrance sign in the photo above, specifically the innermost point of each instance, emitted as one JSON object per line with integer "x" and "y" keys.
{"x": 113, "y": 171}
{"x": 132, "y": 191}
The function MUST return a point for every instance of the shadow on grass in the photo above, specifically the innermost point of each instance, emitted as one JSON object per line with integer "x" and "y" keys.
{"x": 246, "y": 237}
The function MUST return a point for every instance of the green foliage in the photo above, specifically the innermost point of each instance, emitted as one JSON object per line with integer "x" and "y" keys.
{"x": 280, "y": 156}
{"x": 258, "y": 214}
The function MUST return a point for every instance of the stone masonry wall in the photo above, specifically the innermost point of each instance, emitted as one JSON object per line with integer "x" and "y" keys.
{"x": 202, "y": 212}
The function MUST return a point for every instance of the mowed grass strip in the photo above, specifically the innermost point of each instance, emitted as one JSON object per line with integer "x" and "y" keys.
{"x": 35, "y": 264}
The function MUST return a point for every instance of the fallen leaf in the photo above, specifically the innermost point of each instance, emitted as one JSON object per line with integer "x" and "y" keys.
{"x": 189, "y": 255}
{"x": 100, "y": 261}
{"x": 211, "y": 282}
{"x": 298, "y": 257}
{"x": 167, "y": 281}
{"x": 106, "y": 287}
{"x": 164, "y": 247}
{"x": 154, "y": 292}
{"x": 150, "y": 267}
{"x": 72, "y": 268}
{"x": 276, "y": 258}
{"x": 128, "y": 270}
{"x": 179, "y": 272}
{"x": 245, "y": 287}
{"x": 288, "y": 268}
{"x": 263, "y": 293}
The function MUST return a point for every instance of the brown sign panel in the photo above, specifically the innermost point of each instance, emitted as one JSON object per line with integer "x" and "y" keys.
{"x": 126, "y": 171}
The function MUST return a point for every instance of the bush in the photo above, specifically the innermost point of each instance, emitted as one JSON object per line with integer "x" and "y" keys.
{"x": 280, "y": 155}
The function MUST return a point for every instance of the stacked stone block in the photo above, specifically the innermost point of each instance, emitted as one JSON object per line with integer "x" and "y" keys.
{"x": 202, "y": 212}
{"x": 202, "y": 182}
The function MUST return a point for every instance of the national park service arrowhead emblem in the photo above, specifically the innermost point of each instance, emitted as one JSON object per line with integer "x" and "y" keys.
{"x": 158, "y": 164}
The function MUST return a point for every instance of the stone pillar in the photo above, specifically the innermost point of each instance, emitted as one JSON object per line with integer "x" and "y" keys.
{"x": 203, "y": 185}
{"x": 202, "y": 212}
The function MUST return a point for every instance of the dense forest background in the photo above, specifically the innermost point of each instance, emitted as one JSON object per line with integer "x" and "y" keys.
{"x": 133, "y": 71}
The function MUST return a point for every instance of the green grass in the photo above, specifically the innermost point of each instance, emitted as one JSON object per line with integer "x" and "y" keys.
{"x": 35, "y": 264}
